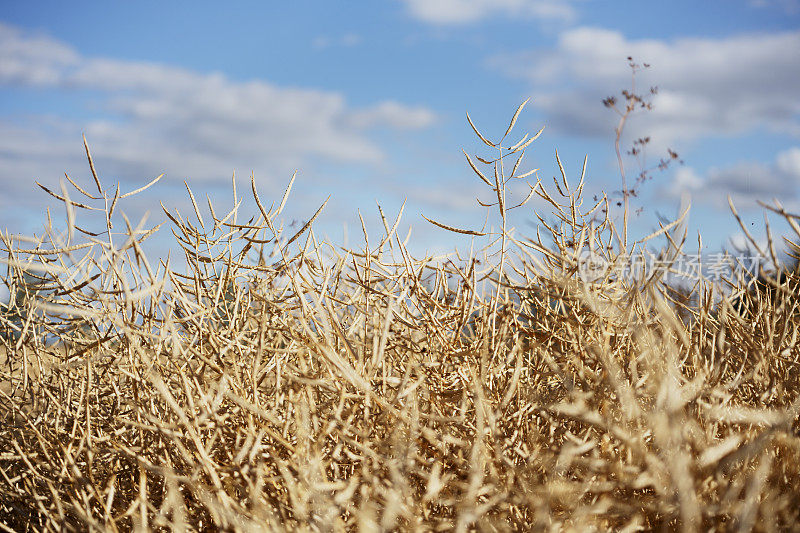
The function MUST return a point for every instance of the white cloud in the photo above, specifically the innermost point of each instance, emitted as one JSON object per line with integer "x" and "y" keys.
{"x": 746, "y": 182}
{"x": 160, "y": 118}
{"x": 348, "y": 40}
{"x": 397, "y": 115}
{"x": 788, "y": 162}
{"x": 466, "y": 11}
{"x": 687, "y": 179}
{"x": 787, "y": 6}
{"x": 727, "y": 86}
{"x": 32, "y": 60}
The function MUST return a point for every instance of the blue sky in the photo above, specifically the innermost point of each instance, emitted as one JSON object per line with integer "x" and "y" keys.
{"x": 368, "y": 99}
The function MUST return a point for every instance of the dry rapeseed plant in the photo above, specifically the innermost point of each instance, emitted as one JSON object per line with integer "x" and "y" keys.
{"x": 284, "y": 384}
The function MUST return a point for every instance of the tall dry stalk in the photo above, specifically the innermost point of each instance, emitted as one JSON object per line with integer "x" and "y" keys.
{"x": 283, "y": 383}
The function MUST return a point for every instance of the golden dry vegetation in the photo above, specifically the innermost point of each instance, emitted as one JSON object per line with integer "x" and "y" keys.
{"x": 284, "y": 383}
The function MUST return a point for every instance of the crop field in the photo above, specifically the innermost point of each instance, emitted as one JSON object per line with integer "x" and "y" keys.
{"x": 284, "y": 383}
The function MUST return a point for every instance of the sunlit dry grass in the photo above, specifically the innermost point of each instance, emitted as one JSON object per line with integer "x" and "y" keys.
{"x": 286, "y": 383}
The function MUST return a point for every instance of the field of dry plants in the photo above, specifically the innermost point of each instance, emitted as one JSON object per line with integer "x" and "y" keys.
{"x": 283, "y": 383}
